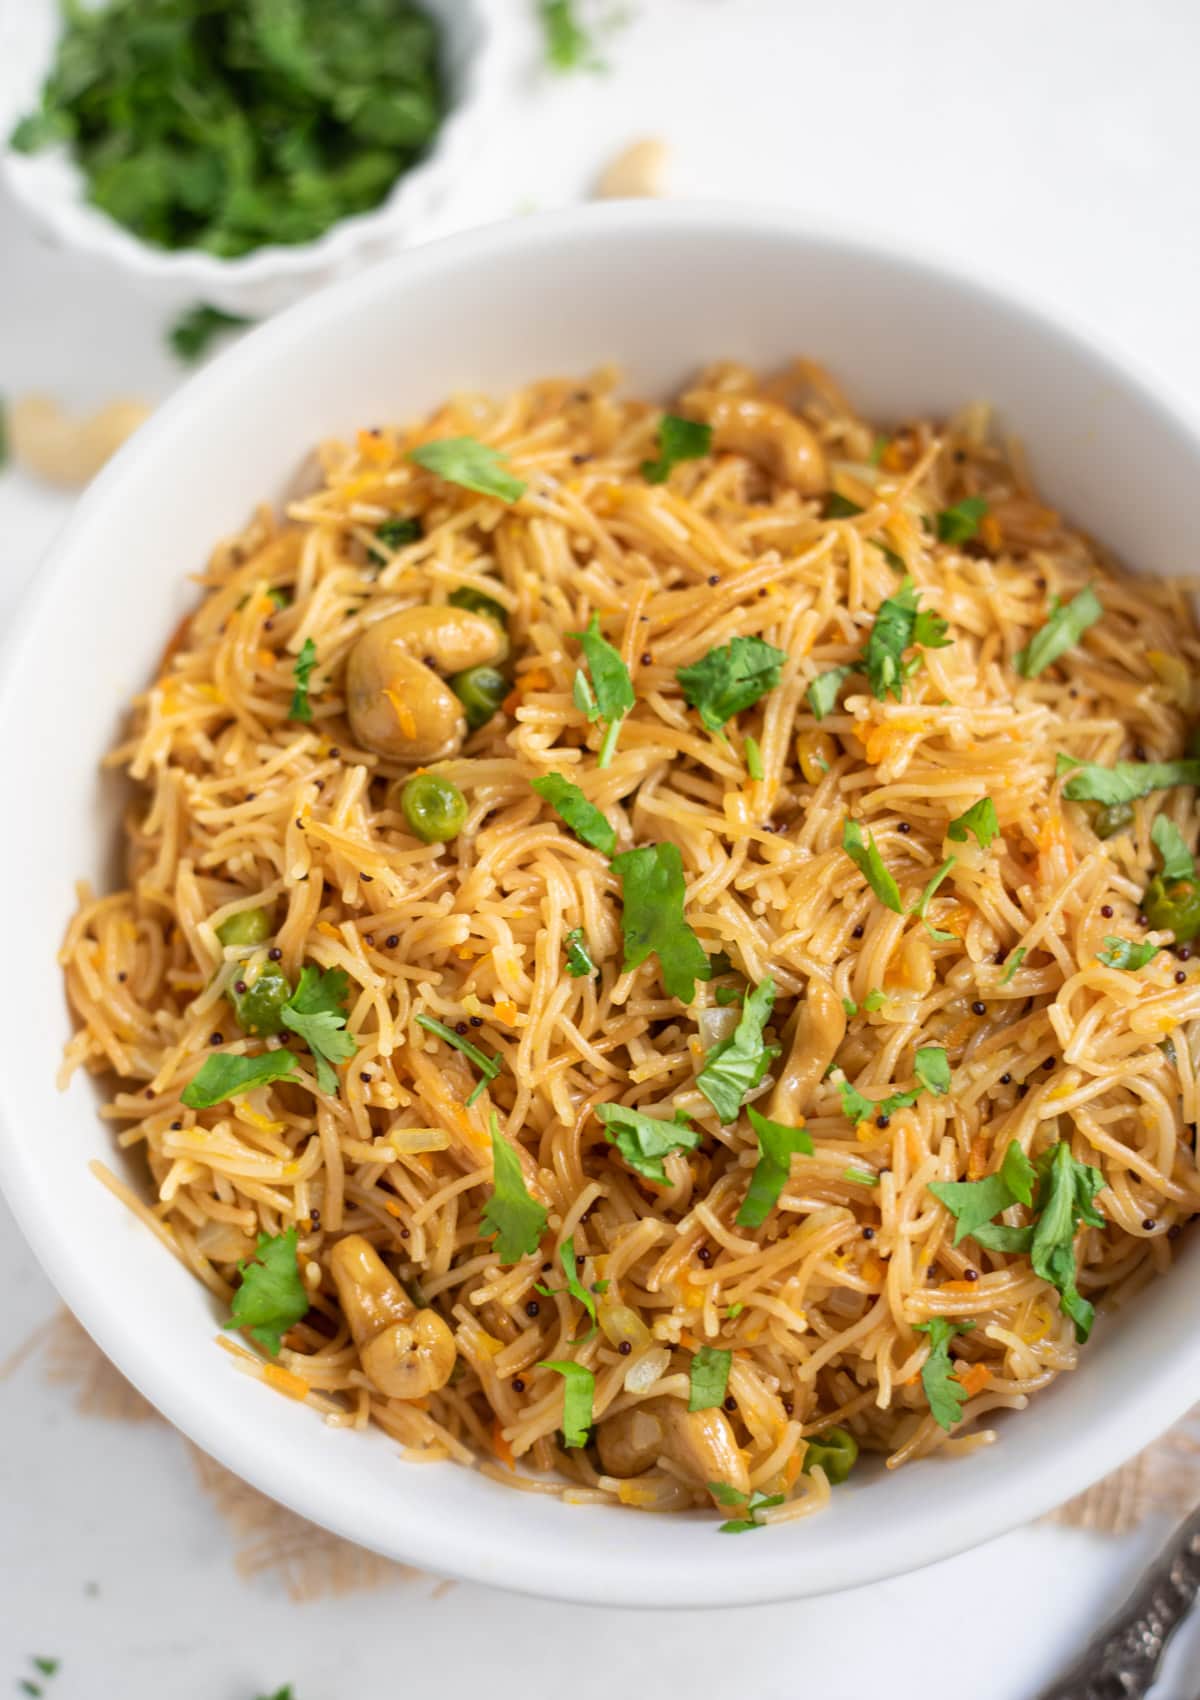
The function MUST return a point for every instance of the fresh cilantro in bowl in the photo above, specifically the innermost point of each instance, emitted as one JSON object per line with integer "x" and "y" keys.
{"x": 225, "y": 125}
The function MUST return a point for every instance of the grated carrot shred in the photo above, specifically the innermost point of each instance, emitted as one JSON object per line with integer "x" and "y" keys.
{"x": 501, "y": 1447}
{"x": 977, "y": 1158}
{"x": 283, "y": 1381}
{"x": 974, "y": 1379}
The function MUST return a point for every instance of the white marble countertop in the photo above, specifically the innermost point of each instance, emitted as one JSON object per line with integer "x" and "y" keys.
{"x": 1049, "y": 146}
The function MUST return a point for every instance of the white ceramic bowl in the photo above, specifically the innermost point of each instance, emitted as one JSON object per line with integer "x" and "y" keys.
{"x": 659, "y": 288}
{"x": 49, "y": 188}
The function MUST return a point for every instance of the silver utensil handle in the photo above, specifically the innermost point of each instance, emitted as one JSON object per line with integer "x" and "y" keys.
{"x": 1123, "y": 1660}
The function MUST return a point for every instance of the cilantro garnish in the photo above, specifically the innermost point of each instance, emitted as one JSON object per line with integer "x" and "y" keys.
{"x": 584, "y": 819}
{"x": 875, "y": 999}
{"x": 1123, "y": 953}
{"x": 753, "y": 754}
{"x": 944, "y": 1391}
{"x": 979, "y": 820}
{"x": 959, "y": 523}
{"x": 1062, "y": 631}
{"x": 824, "y": 690}
{"x": 395, "y": 533}
{"x": 301, "y": 708}
{"x": 47, "y": 1667}
{"x": 607, "y": 694}
{"x": 652, "y": 920}
{"x": 517, "y": 1220}
{"x": 193, "y": 331}
{"x": 864, "y": 853}
{"x": 645, "y": 1140}
{"x": 900, "y": 624}
{"x": 489, "y": 1067}
{"x": 579, "y": 1393}
{"x": 316, "y": 1011}
{"x": 860, "y": 1177}
{"x": 1125, "y": 781}
{"x": 921, "y": 906}
{"x": 737, "y": 1065}
{"x": 579, "y": 959}
{"x": 473, "y": 465}
{"x": 284, "y": 1693}
{"x": 272, "y": 1295}
{"x": 709, "y": 1377}
{"x": 749, "y": 1504}
{"x": 569, "y": 47}
{"x": 678, "y": 440}
{"x": 932, "y": 1068}
{"x": 1014, "y": 962}
{"x": 730, "y": 678}
{"x": 777, "y": 1145}
{"x": 576, "y": 1288}
{"x": 838, "y": 506}
{"x": 224, "y": 1076}
{"x": 1177, "y": 860}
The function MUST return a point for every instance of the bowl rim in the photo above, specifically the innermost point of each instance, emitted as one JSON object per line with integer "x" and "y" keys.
{"x": 1118, "y": 1428}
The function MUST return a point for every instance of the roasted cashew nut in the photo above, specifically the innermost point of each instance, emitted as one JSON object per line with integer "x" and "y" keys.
{"x": 700, "y": 1443}
{"x": 405, "y": 1352}
{"x": 397, "y": 701}
{"x": 765, "y": 432}
{"x": 819, "y": 1028}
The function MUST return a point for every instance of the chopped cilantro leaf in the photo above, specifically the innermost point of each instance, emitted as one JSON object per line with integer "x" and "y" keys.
{"x": 753, "y": 754}
{"x": 489, "y": 1067}
{"x": 945, "y": 1393}
{"x": 223, "y": 1076}
{"x": 568, "y": 45}
{"x": 922, "y": 905}
{"x": 860, "y": 1177}
{"x": 678, "y": 440}
{"x": 731, "y": 678}
{"x": 1125, "y": 781}
{"x": 301, "y": 708}
{"x": 958, "y": 524}
{"x": 1123, "y": 953}
{"x": 1062, "y": 631}
{"x": 579, "y": 1394}
{"x": 473, "y": 465}
{"x": 749, "y": 1504}
{"x": 395, "y": 533}
{"x": 824, "y": 690}
{"x": 709, "y": 1378}
{"x": 1014, "y": 962}
{"x": 608, "y": 694}
{"x": 932, "y": 1068}
{"x": 193, "y": 331}
{"x": 838, "y": 506}
{"x": 899, "y": 624}
{"x": 645, "y": 1140}
{"x": 576, "y": 1288}
{"x": 979, "y": 820}
{"x": 652, "y": 919}
{"x": 579, "y": 959}
{"x": 316, "y": 1011}
{"x": 584, "y": 819}
{"x": 777, "y": 1145}
{"x": 517, "y": 1220}
{"x": 272, "y": 1295}
{"x": 862, "y": 1109}
{"x": 1177, "y": 860}
{"x": 47, "y": 1667}
{"x": 737, "y": 1065}
{"x": 864, "y": 853}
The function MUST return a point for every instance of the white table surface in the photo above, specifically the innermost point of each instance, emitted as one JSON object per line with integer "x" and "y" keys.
{"x": 1050, "y": 144}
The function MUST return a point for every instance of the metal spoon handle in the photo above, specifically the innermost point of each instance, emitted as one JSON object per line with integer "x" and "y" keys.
{"x": 1123, "y": 1660}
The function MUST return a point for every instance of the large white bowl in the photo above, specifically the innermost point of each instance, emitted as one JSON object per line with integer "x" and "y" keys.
{"x": 659, "y": 288}
{"x": 477, "y": 56}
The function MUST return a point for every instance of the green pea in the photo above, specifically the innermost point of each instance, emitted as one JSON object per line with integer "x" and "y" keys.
{"x": 475, "y": 602}
{"x": 248, "y": 926}
{"x": 481, "y": 690}
{"x": 1175, "y": 905}
{"x": 434, "y": 807}
{"x": 1111, "y": 819}
{"x": 836, "y": 1451}
{"x": 259, "y": 1008}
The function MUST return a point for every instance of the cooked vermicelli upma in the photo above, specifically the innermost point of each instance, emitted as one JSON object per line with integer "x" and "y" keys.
{"x": 656, "y": 953}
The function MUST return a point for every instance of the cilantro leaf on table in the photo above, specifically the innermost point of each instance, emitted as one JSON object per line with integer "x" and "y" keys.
{"x": 1125, "y": 781}
{"x": 864, "y": 853}
{"x": 708, "y": 1378}
{"x": 979, "y": 820}
{"x": 517, "y": 1219}
{"x": 944, "y": 1391}
{"x": 1124, "y": 953}
{"x": 652, "y": 918}
{"x": 301, "y": 708}
{"x": 271, "y": 1295}
{"x": 224, "y": 1076}
{"x": 489, "y": 1067}
{"x": 678, "y": 440}
{"x": 316, "y": 1011}
{"x": 736, "y": 1065}
{"x": 1177, "y": 860}
{"x": 958, "y": 524}
{"x": 900, "y": 623}
{"x": 645, "y": 1140}
{"x": 584, "y": 819}
{"x": 569, "y": 46}
{"x": 730, "y": 678}
{"x": 579, "y": 958}
{"x": 605, "y": 691}
{"x": 192, "y": 332}
{"x": 579, "y": 1396}
{"x": 777, "y": 1145}
{"x": 472, "y": 465}
{"x": 1062, "y": 631}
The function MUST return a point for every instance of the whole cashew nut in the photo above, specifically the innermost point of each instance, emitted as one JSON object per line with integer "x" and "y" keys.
{"x": 398, "y": 703}
{"x": 766, "y": 433}
{"x": 700, "y": 1443}
{"x": 820, "y": 1027}
{"x": 405, "y": 1352}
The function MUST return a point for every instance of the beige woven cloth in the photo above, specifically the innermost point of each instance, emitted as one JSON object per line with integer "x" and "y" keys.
{"x": 268, "y": 1540}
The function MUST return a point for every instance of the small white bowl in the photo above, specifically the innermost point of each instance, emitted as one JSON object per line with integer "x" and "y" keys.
{"x": 50, "y": 188}
{"x": 660, "y": 288}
